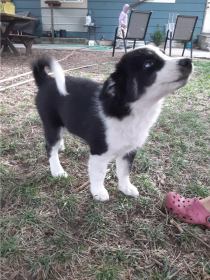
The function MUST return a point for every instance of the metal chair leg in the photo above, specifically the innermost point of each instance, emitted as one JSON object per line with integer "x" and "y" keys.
{"x": 165, "y": 44}
{"x": 114, "y": 47}
{"x": 191, "y": 48}
{"x": 124, "y": 45}
{"x": 184, "y": 48}
{"x": 170, "y": 43}
{"x": 115, "y": 37}
{"x": 166, "y": 40}
{"x": 124, "y": 40}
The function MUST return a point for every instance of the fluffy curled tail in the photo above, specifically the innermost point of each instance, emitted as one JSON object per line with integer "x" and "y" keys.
{"x": 41, "y": 76}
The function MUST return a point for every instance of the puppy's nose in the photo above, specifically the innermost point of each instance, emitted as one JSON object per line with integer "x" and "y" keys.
{"x": 186, "y": 62}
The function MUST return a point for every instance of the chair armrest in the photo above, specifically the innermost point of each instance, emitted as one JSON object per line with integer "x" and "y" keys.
{"x": 168, "y": 32}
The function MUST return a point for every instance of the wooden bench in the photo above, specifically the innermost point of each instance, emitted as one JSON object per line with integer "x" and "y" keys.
{"x": 27, "y": 41}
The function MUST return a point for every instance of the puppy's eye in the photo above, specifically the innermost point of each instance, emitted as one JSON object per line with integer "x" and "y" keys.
{"x": 149, "y": 64}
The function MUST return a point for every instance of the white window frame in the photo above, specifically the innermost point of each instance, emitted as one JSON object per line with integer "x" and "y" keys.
{"x": 162, "y": 1}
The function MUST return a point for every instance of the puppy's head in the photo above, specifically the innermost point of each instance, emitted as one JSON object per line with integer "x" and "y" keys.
{"x": 147, "y": 72}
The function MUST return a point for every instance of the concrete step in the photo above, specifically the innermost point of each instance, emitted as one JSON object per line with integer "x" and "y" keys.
{"x": 130, "y": 43}
{"x": 204, "y": 42}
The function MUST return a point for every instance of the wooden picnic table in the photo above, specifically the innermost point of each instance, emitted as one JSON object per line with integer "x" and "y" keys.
{"x": 5, "y": 42}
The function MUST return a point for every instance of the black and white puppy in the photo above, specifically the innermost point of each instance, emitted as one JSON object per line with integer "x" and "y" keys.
{"x": 113, "y": 117}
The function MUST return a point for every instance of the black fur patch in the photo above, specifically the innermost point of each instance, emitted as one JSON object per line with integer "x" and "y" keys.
{"x": 130, "y": 158}
{"x": 76, "y": 111}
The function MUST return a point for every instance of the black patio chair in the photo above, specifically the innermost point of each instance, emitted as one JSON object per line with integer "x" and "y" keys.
{"x": 137, "y": 28}
{"x": 183, "y": 31}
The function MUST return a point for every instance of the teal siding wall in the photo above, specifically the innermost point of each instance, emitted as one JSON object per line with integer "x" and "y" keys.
{"x": 71, "y": 20}
{"x": 106, "y": 14}
{"x": 32, "y": 6}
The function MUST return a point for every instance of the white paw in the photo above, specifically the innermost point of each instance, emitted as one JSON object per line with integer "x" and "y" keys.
{"x": 59, "y": 173}
{"x": 129, "y": 189}
{"x": 102, "y": 195}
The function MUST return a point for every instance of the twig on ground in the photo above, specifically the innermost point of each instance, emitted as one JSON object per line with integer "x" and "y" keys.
{"x": 160, "y": 212}
{"x": 186, "y": 230}
{"x": 81, "y": 187}
{"x": 166, "y": 216}
{"x": 189, "y": 269}
{"x": 61, "y": 217}
{"x": 176, "y": 225}
{"x": 139, "y": 268}
{"x": 157, "y": 262}
{"x": 198, "y": 239}
{"x": 84, "y": 185}
{"x": 142, "y": 239}
{"x": 176, "y": 259}
{"x": 172, "y": 275}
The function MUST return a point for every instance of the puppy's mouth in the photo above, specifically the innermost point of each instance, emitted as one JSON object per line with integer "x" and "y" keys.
{"x": 182, "y": 78}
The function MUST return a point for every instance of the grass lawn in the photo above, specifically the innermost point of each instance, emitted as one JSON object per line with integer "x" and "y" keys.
{"x": 49, "y": 232}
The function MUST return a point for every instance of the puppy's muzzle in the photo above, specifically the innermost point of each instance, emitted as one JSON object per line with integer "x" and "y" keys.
{"x": 186, "y": 65}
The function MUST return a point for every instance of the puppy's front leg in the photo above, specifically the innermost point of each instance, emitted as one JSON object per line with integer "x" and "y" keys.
{"x": 97, "y": 173}
{"x": 124, "y": 165}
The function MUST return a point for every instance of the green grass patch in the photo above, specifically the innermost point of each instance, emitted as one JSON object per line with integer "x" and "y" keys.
{"x": 49, "y": 232}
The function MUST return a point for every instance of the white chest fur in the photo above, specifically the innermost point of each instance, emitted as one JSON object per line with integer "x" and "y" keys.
{"x": 127, "y": 134}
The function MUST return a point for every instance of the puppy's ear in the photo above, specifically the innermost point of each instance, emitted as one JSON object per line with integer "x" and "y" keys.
{"x": 109, "y": 89}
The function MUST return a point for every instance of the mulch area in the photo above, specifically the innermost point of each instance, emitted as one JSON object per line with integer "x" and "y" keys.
{"x": 22, "y": 64}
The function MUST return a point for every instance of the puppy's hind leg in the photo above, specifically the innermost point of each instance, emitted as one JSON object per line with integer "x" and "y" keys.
{"x": 54, "y": 142}
{"x": 124, "y": 165}
{"x": 97, "y": 173}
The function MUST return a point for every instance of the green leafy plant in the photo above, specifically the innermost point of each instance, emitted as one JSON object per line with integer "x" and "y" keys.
{"x": 157, "y": 36}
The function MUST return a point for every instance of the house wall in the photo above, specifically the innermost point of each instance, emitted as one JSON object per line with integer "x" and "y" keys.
{"x": 107, "y": 13}
{"x": 32, "y": 6}
{"x": 69, "y": 16}
{"x": 71, "y": 20}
